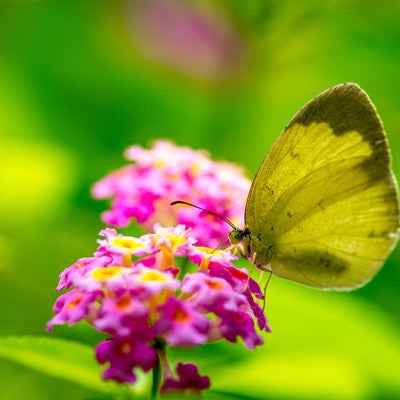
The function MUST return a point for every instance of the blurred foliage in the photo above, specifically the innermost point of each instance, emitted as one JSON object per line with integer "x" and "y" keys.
{"x": 80, "y": 81}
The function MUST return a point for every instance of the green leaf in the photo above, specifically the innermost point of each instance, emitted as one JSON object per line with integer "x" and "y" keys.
{"x": 325, "y": 344}
{"x": 225, "y": 395}
{"x": 71, "y": 361}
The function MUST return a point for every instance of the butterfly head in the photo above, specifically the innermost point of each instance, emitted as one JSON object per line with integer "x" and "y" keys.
{"x": 237, "y": 235}
{"x": 240, "y": 240}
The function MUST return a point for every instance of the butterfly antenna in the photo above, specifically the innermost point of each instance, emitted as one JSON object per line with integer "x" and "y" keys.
{"x": 230, "y": 223}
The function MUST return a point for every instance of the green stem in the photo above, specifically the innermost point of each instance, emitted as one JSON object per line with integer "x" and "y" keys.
{"x": 183, "y": 267}
{"x": 156, "y": 380}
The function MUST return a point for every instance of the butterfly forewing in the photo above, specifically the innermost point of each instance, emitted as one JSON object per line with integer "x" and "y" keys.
{"x": 323, "y": 208}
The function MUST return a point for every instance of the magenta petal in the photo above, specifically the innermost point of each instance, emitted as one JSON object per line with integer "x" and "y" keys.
{"x": 239, "y": 323}
{"x": 124, "y": 354}
{"x": 72, "y": 307}
{"x": 188, "y": 378}
{"x": 181, "y": 324}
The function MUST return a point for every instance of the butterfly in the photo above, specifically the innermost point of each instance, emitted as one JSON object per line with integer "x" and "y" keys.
{"x": 323, "y": 208}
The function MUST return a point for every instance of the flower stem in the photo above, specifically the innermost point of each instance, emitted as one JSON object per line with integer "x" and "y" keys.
{"x": 161, "y": 368}
{"x": 183, "y": 267}
{"x": 156, "y": 380}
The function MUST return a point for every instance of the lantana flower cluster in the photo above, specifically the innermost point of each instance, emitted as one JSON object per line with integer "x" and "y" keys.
{"x": 143, "y": 190}
{"x": 173, "y": 287}
{"x": 135, "y": 290}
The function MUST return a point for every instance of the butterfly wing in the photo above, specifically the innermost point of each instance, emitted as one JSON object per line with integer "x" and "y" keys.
{"x": 323, "y": 208}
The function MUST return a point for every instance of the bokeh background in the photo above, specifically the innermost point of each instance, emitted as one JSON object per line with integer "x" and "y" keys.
{"x": 82, "y": 80}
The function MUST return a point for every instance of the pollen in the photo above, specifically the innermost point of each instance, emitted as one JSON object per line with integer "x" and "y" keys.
{"x": 159, "y": 164}
{"x": 172, "y": 243}
{"x": 126, "y": 243}
{"x": 153, "y": 276}
{"x": 176, "y": 240}
{"x": 102, "y": 274}
{"x": 195, "y": 170}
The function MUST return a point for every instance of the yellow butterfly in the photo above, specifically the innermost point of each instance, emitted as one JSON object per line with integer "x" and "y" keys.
{"x": 323, "y": 208}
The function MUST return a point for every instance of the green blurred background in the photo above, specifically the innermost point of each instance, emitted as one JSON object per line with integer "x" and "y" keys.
{"x": 82, "y": 80}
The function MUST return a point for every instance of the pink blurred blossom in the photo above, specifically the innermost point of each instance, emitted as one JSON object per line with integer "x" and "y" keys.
{"x": 166, "y": 172}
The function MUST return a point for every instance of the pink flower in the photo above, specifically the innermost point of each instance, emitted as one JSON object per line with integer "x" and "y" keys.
{"x": 124, "y": 245}
{"x": 208, "y": 292}
{"x": 239, "y": 323}
{"x": 122, "y": 314}
{"x": 166, "y": 172}
{"x": 181, "y": 324}
{"x": 132, "y": 291}
{"x": 123, "y": 354}
{"x": 80, "y": 267}
{"x": 242, "y": 283}
{"x": 72, "y": 307}
{"x": 216, "y": 295}
{"x": 168, "y": 31}
{"x": 188, "y": 379}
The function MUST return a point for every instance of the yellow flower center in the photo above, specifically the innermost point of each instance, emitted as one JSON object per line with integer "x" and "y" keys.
{"x": 168, "y": 249}
{"x": 102, "y": 274}
{"x": 126, "y": 243}
{"x": 207, "y": 250}
{"x": 153, "y": 276}
{"x": 159, "y": 164}
{"x": 205, "y": 261}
